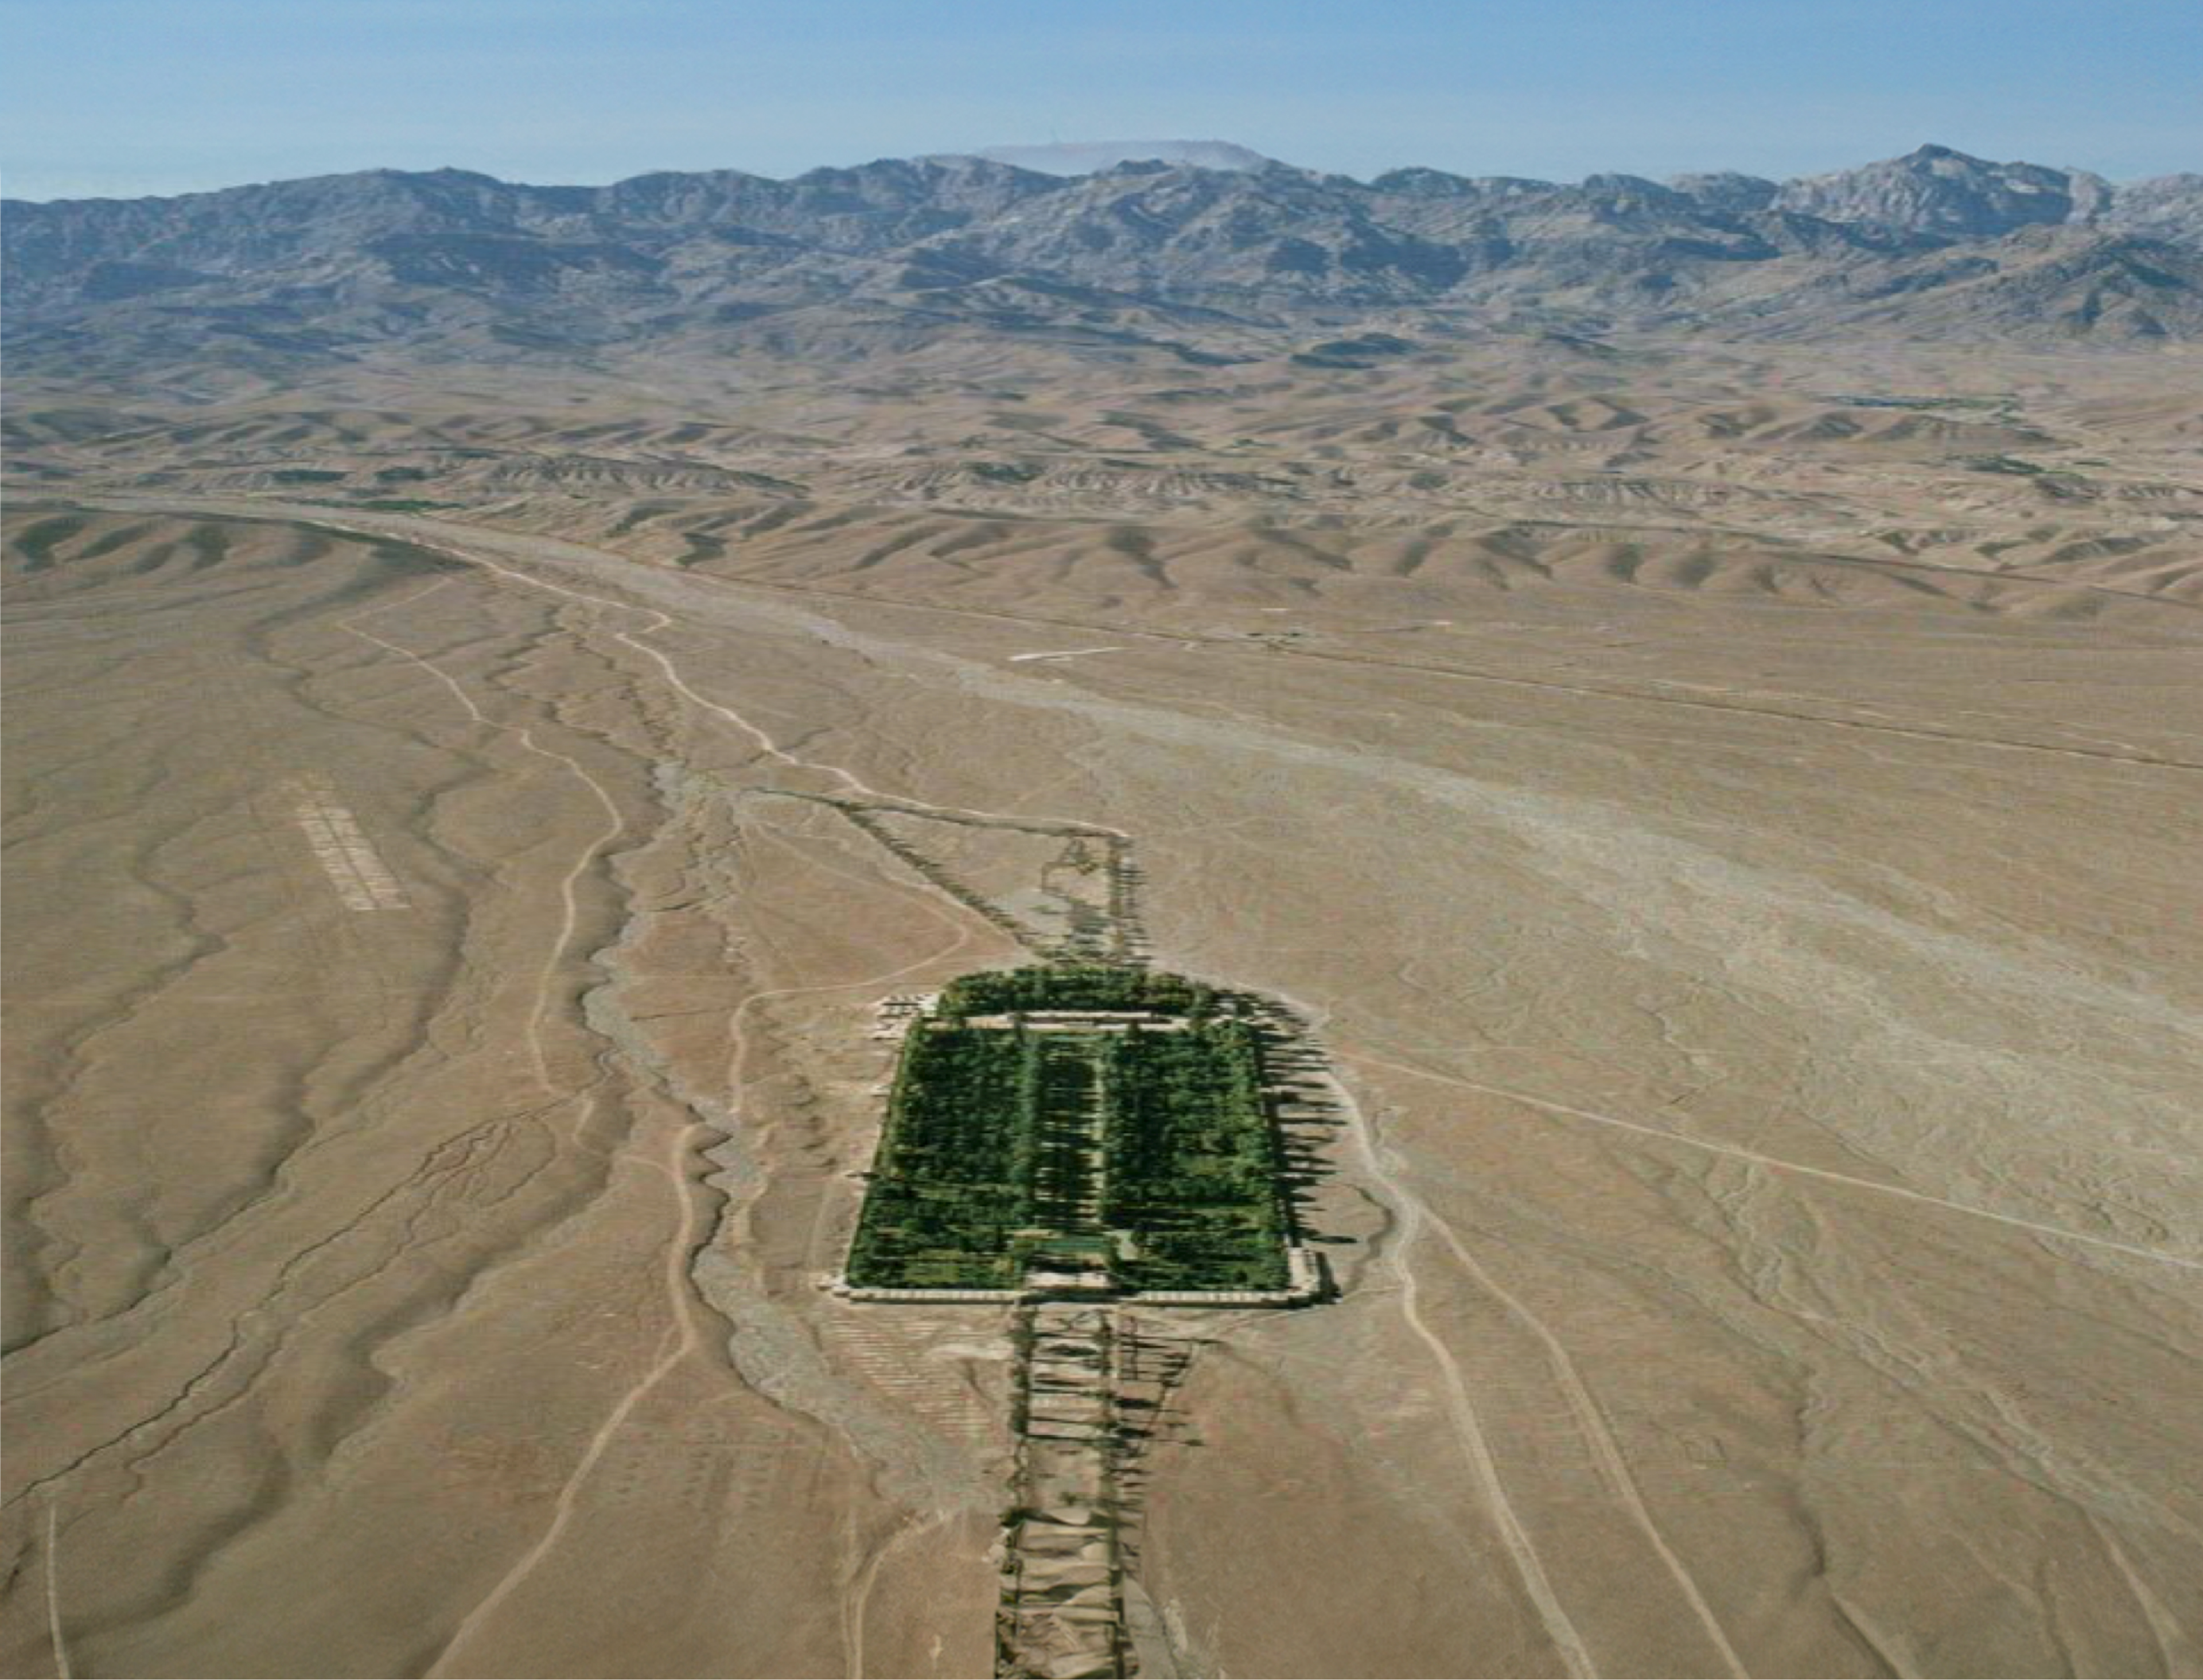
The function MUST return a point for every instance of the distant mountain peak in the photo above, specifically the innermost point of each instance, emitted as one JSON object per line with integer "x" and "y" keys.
{"x": 1088, "y": 157}
{"x": 1937, "y": 191}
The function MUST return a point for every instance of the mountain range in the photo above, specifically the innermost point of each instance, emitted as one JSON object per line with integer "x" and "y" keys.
{"x": 1086, "y": 158}
{"x": 1201, "y": 261}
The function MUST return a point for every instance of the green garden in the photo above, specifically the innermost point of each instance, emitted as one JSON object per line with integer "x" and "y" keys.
{"x": 1144, "y": 1147}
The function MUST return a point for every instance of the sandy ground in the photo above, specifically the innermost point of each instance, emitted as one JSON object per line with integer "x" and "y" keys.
{"x": 1748, "y": 895}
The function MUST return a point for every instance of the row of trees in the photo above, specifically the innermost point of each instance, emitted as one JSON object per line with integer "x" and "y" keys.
{"x": 1193, "y": 1162}
{"x": 954, "y": 1173}
{"x": 1068, "y": 986}
{"x": 1060, "y": 1122}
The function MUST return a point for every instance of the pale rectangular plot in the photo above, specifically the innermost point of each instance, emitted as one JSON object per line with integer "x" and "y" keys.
{"x": 363, "y": 881}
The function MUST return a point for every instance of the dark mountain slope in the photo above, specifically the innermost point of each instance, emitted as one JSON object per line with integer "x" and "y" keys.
{"x": 459, "y": 265}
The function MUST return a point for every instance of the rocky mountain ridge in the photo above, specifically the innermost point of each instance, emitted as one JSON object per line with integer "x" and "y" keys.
{"x": 1934, "y": 245}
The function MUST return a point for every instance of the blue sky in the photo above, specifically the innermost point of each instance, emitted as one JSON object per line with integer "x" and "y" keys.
{"x": 119, "y": 98}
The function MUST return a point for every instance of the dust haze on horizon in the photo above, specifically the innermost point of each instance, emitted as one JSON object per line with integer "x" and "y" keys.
{"x": 1051, "y": 157}
{"x": 223, "y": 92}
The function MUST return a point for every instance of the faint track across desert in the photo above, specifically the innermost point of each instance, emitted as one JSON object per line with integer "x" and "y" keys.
{"x": 1590, "y": 1420}
{"x": 570, "y": 910}
{"x": 767, "y": 746}
{"x": 289, "y": 513}
{"x": 53, "y": 1572}
{"x": 684, "y": 1148}
{"x": 1233, "y": 644}
{"x": 681, "y": 1334}
{"x": 1776, "y": 1163}
{"x": 1410, "y": 1211}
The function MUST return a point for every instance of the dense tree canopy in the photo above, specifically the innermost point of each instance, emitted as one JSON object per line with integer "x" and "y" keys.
{"x": 1151, "y": 1151}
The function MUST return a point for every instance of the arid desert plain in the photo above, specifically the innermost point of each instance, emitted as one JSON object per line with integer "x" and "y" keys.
{"x": 1728, "y": 815}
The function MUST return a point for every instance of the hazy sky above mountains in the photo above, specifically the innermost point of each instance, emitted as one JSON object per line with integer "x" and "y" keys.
{"x": 119, "y": 98}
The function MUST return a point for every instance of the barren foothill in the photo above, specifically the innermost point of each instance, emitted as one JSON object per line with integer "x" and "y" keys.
{"x": 1735, "y": 843}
